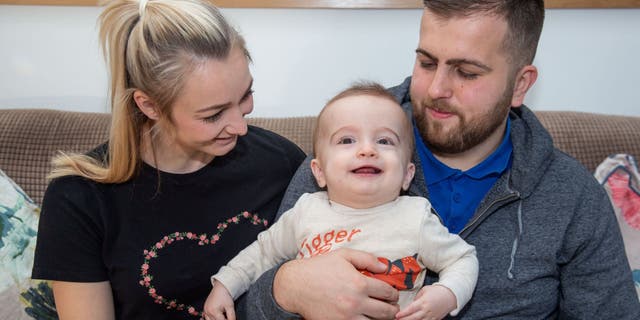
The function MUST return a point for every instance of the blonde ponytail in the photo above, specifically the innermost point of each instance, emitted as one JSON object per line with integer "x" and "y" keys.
{"x": 151, "y": 46}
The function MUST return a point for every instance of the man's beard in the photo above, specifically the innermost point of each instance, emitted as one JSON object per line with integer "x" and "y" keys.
{"x": 468, "y": 134}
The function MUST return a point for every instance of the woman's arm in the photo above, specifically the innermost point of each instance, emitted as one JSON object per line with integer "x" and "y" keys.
{"x": 83, "y": 300}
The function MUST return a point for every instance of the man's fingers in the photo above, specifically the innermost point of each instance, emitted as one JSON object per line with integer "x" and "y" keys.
{"x": 363, "y": 260}
{"x": 380, "y": 290}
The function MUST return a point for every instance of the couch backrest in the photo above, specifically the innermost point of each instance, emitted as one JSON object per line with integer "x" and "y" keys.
{"x": 29, "y": 138}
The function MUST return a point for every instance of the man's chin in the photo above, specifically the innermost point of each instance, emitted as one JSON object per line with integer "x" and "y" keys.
{"x": 441, "y": 143}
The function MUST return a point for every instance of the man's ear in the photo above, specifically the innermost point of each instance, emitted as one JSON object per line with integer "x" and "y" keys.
{"x": 411, "y": 171}
{"x": 317, "y": 173}
{"x": 525, "y": 78}
{"x": 146, "y": 105}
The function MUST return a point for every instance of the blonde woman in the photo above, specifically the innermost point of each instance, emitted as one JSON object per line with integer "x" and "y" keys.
{"x": 133, "y": 230}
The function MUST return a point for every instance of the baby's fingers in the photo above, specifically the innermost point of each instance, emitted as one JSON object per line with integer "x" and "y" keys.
{"x": 413, "y": 308}
{"x": 216, "y": 315}
{"x": 230, "y": 312}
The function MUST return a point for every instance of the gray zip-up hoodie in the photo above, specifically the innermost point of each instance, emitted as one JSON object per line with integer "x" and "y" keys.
{"x": 546, "y": 236}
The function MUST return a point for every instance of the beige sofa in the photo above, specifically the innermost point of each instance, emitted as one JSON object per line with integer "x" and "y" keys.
{"x": 30, "y": 137}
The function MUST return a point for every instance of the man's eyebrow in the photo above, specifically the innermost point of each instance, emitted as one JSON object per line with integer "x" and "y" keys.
{"x": 456, "y": 61}
{"x": 478, "y": 64}
{"x": 425, "y": 53}
{"x": 224, "y": 105}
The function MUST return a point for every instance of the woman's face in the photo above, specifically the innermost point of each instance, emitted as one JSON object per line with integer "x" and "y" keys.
{"x": 208, "y": 115}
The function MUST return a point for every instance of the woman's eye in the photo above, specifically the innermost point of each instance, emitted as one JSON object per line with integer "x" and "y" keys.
{"x": 346, "y": 140}
{"x": 213, "y": 117}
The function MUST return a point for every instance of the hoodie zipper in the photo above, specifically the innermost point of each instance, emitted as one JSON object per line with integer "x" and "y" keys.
{"x": 511, "y": 196}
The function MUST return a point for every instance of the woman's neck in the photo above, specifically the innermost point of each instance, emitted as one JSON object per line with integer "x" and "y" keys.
{"x": 170, "y": 156}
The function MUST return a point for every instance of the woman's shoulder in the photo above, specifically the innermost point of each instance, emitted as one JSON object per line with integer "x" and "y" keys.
{"x": 70, "y": 188}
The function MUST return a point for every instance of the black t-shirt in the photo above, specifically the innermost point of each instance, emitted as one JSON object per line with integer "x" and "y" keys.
{"x": 158, "y": 244}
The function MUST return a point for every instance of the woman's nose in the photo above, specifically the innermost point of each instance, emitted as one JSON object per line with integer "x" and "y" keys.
{"x": 237, "y": 123}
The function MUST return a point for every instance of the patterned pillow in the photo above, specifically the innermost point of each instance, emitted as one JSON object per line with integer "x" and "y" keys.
{"x": 620, "y": 176}
{"x": 20, "y": 297}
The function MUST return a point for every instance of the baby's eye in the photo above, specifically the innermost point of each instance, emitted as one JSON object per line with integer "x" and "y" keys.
{"x": 346, "y": 140}
{"x": 385, "y": 141}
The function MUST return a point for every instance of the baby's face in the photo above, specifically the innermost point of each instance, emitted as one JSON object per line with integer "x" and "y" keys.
{"x": 363, "y": 153}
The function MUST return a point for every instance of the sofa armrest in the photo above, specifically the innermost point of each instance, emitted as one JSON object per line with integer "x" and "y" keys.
{"x": 591, "y": 137}
{"x": 29, "y": 138}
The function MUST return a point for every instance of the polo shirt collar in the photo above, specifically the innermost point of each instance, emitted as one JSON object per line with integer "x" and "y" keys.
{"x": 436, "y": 171}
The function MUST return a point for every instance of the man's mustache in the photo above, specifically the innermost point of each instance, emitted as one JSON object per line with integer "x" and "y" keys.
{"x": 440, "y": 106}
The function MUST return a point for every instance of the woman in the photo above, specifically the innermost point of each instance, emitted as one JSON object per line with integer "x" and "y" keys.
{"x": 134, "y": 229}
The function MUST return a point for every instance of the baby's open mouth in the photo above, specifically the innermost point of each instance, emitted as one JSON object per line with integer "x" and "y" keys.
{"x": 366, "y": 170}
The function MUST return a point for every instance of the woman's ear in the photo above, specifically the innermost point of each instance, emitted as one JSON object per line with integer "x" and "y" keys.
{"x": 525, "y": 78}
{"x": 317, "y": 173}
{"x": 146, "y": 105}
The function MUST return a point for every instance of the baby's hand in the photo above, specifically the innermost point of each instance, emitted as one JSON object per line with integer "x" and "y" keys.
{"x": 219, "y": 304}
{"x": 432, "y": 302}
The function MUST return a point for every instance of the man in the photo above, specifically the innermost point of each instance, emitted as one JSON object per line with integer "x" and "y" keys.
{"x": 545, "y": 233}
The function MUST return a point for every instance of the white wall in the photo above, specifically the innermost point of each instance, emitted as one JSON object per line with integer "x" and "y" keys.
{"x": 49, "y": 57}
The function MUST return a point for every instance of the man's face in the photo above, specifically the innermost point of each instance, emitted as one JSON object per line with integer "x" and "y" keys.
{"x": 462, "y": 85}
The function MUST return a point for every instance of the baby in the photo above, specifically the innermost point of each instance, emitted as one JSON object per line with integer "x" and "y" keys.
{"x": 363, "y": 144}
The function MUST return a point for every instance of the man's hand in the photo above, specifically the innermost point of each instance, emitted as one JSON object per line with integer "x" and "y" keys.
{"x": 219, "y": 304}
{"x": 330, "y": 286}
{"x": 431, "y": 303}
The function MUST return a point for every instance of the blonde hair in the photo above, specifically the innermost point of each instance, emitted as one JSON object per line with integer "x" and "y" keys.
{"x": 151, "y": 46}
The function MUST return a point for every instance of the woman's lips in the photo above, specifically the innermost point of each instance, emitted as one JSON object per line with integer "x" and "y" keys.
{"x": 225, "y": 141}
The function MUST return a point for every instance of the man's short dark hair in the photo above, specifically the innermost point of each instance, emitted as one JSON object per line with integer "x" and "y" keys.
{"x": 524, "y": 19}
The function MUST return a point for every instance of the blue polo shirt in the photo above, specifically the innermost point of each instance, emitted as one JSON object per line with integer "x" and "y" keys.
{"x": 456, "y": 194}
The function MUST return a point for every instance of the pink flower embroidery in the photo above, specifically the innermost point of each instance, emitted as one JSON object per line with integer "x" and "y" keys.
{"x": 202, "y": 239}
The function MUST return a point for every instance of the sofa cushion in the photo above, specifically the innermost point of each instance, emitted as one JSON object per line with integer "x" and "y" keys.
{"x": 20, "y": 297}
{"x": 620, "y": 176}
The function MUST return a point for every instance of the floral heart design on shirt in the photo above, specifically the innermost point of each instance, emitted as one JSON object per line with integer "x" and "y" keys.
{"x": 146, "y": 276}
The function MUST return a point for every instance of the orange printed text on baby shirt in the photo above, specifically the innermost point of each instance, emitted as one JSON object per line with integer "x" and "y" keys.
{"x": 322, "y": 242}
